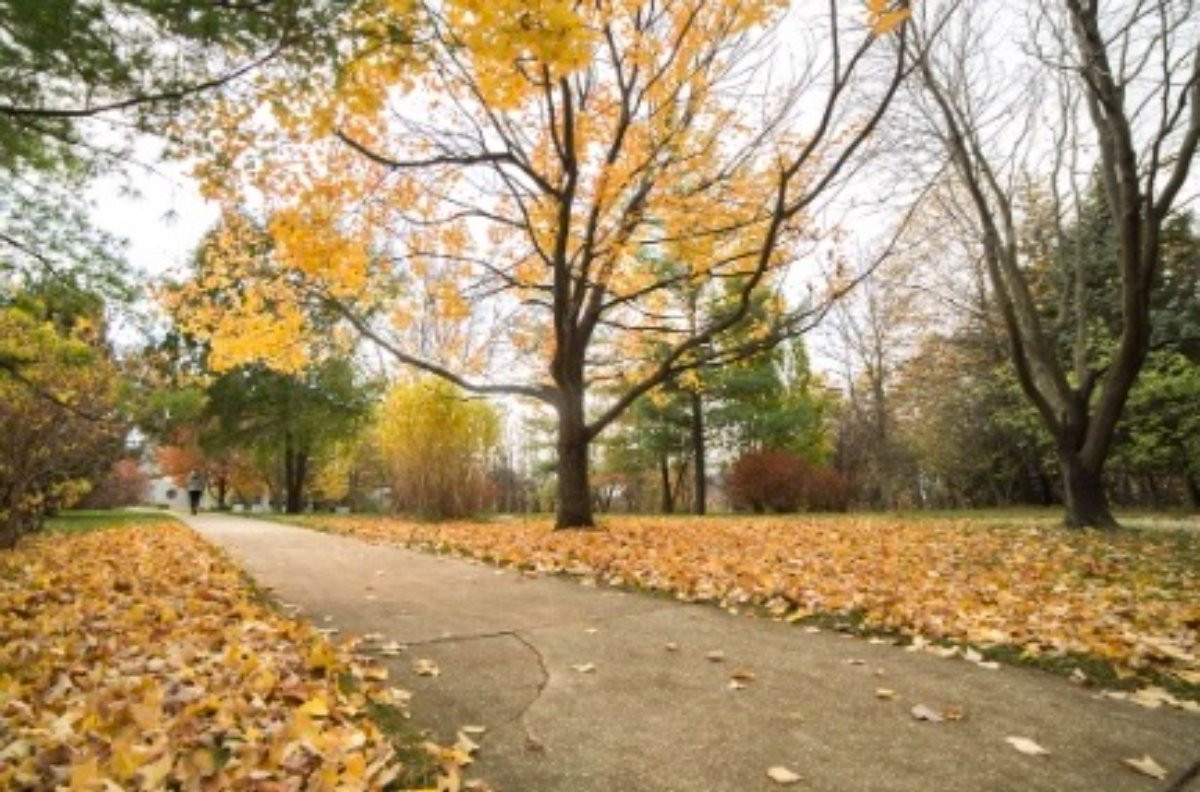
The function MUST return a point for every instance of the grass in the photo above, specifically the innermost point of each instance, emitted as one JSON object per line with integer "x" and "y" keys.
{"x": 97, "y": 520}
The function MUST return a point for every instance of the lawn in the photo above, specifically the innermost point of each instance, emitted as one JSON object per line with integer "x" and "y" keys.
{"x": 138, "y": 657}
{"x": 1123, "y": 605}
{"x": 99, "y": 520}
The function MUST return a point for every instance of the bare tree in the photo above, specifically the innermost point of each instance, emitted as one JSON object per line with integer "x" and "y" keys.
{"x": 1127, "y": 75}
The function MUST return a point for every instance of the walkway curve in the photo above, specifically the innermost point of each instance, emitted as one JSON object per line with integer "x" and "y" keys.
{"x": 514, "y": 655}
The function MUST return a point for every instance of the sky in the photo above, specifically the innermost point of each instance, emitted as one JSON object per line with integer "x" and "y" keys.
{"x": 158, "y": 210}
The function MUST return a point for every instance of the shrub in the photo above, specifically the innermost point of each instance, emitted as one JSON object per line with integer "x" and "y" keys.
{"x": 782, "y": 482}
{"x": 124, "y": 485}
{"x": 436, "y": 445}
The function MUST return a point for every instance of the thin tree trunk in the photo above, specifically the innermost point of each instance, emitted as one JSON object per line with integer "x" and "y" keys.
{"x": 700, "y": 473}
{"x": 664, "y": 473}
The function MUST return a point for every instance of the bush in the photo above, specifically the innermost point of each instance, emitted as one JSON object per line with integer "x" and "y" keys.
{"x": 124, "y": 485}
{"x": 782, "y": 482}
{"x": 436, "y": 446}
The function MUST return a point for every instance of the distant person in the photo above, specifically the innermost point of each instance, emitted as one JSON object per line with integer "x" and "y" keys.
{"x": 195, "y": 488}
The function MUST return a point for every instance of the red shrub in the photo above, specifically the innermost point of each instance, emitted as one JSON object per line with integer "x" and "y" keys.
{"x": 782, "y": 482}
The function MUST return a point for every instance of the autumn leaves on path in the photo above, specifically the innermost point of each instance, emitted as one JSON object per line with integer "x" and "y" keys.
{"x": 1131, "y": 601}
{"x": 571, "y": 687}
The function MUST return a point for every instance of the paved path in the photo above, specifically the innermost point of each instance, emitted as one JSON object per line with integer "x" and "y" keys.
{"x": 652, "y": 720}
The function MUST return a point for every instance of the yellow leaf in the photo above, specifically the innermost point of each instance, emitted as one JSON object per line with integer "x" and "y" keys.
{"x": 315, "y": 708}
{"x": 889, "y": 20}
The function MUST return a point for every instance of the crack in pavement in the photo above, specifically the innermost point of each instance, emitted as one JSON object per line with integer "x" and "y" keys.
{"x": 446, "y": 639}
{"x": 532, "y": 743}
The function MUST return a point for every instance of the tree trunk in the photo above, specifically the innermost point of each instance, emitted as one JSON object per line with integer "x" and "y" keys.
{"x": 1193, "y": 488}
{"x": 699, "y": 502}
{"x": 295, "y": 468}
{"x": 667, "y": 500}
{"x": 574, "y": 491}
{"x": 1153, "y": 489}
{"x": 1083, "y": 495}
{"x": 8, "y": 535}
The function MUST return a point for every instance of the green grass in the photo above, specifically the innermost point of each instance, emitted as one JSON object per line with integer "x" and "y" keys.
{"x": 96, "y": 520}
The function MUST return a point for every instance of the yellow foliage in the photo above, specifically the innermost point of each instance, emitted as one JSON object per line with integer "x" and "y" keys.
{"x": 436, "y": 445}
{"x": 111, "y": 694}
{"x": 424, "y": 175}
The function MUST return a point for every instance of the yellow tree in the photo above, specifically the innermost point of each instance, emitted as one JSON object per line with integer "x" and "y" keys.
{"x": 562, "y": 178}
{"x": 436, "y": 446}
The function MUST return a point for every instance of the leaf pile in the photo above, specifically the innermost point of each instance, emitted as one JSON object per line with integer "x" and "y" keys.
{"x": 1132, "y": 599}
{"x": 140, "y": 659}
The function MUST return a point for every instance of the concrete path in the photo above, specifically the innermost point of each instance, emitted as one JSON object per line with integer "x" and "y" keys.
{"x": 650, "y": 720}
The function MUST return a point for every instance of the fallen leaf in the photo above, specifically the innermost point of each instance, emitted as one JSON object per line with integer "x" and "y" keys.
{"x": 716, "y": 656}
{"x": 923, "y": 713}
{"x": 585, "y": 668}
{"x": 954, "y": 712}
{"x": 426, "y": 668}
{"x": 885, "y": 693}
{"x": 465, "y": 744}
{"x": 782, "y": 775}
{"x": 1026, "y": 746}
{"x": 1147, "y": 766}
{"x": 672, "y": 646}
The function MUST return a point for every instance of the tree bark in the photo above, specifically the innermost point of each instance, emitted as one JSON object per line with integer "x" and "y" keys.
{"x": 1083, "y": 494}
{"x": 699, "y": 502}
{"x": 664, "y": 474}
{"x": 1193, "y": 488}
{"x": 295, "y": 470}
{"x": 574, "y": 491}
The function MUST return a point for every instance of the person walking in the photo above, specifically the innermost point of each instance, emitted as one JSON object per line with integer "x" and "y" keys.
{"x": 195, "y": 489}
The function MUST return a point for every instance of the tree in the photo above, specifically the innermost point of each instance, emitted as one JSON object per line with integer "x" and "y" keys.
{"x": 437, "y": 446}
{"x": 1132, "y": 74}
{"x": 287, "y": 422}
{"x": 58, "y": 416}
{"x": 80, "y": 78}
{"x": 533, "y": 169}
